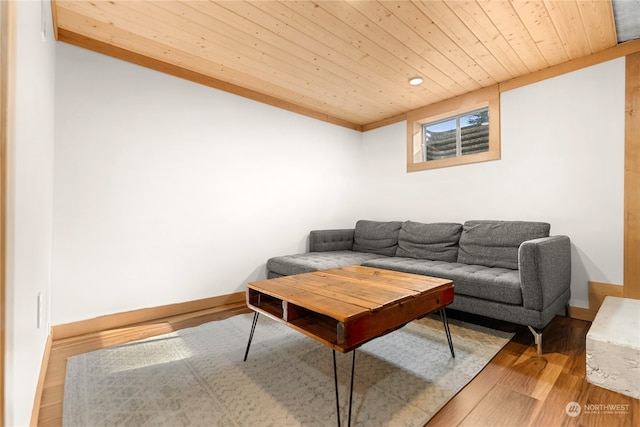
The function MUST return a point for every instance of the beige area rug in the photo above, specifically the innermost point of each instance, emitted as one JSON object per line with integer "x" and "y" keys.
{"x": 196, "y": 377}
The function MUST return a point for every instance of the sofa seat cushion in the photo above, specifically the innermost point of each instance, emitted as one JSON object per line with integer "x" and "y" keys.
{"x": 490, "y": 283}
{"x": 315, "y": 261}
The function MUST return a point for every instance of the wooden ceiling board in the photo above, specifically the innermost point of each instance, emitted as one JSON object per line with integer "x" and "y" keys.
{"x": 482, "y": 37}
{"x": 419, "y": 33}
{"x": 537, "y": 21}
{"x": 506, "y": 19}
{"x": 367, "y": 43}
{"x": 343, "y": 47}
{"x": 602, "y": 33}
{"x": 473, "y": 57}
{"x": 356, "y": 77}
{"x": 568, "y": 23}
{"x": 400, "y": 61}
{"x": 348, "y": 62}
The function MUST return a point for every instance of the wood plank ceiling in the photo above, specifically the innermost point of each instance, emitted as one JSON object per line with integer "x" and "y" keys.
{"x": 347, "y": 62}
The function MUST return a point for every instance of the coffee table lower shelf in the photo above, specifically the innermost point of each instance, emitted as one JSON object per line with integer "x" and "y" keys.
{"x": 318, "y": 326}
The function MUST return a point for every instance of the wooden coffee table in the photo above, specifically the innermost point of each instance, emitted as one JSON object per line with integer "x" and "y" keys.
{"x": 346, "y": 307}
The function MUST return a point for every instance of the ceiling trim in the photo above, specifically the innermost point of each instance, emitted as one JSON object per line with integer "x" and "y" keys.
{"x": 73, "y": 38}
{"x": 622, "y": 49}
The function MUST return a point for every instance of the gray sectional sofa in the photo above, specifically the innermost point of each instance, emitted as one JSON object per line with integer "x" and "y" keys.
{"x": 508, "y": 270}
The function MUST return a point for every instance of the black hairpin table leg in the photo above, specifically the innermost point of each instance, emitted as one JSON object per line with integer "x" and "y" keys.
{"x": 253, "y": 328}
{"x": 335, "y": 378}
{"x": 353, "y": 368}
{"x": 445, "y": 322}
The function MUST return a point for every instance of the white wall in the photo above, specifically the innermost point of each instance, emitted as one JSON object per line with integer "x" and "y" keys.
{"x": 169, "y": 191}
{"x": 29, "y": 209}
{"x": 562, "y": 162}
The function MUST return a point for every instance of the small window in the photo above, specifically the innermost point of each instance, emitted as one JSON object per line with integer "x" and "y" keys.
{"x": 457, "y": 131}
{"x": 463, "y": 134}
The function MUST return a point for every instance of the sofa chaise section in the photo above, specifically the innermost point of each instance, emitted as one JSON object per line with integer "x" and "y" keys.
{"x": 340, "y": 248}
{"x": 507, "y": 270}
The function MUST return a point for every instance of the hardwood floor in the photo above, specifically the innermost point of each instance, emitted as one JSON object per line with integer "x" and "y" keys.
{"x": 517, "y": 388}
{"x": 521, "y": 388}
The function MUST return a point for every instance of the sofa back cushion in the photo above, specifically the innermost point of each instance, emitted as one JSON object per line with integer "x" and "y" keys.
{"x": 496, "y": 243}
{"x": 436, "y": 241}
{"x": 376, "y": 237}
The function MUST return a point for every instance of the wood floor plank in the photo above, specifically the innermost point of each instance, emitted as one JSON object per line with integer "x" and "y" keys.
{"x": 503, "y": 406}
{"x": 566, "y": 389}
{"x": 464, "y": 402}
{"x": 607, "y": 408}
{"x": 533, "y": 374}
{"x": 567, "y": 336}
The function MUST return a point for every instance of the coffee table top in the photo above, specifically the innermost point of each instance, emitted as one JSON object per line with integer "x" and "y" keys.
{"x": 345, "y": 307}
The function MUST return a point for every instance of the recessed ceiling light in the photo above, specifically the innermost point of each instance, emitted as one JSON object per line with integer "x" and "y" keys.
{"x": 415, "y": 81}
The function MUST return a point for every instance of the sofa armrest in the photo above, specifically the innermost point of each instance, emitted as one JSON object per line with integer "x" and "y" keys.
{"x": 331, "y": 240}
{"x": 545, "y": 270}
